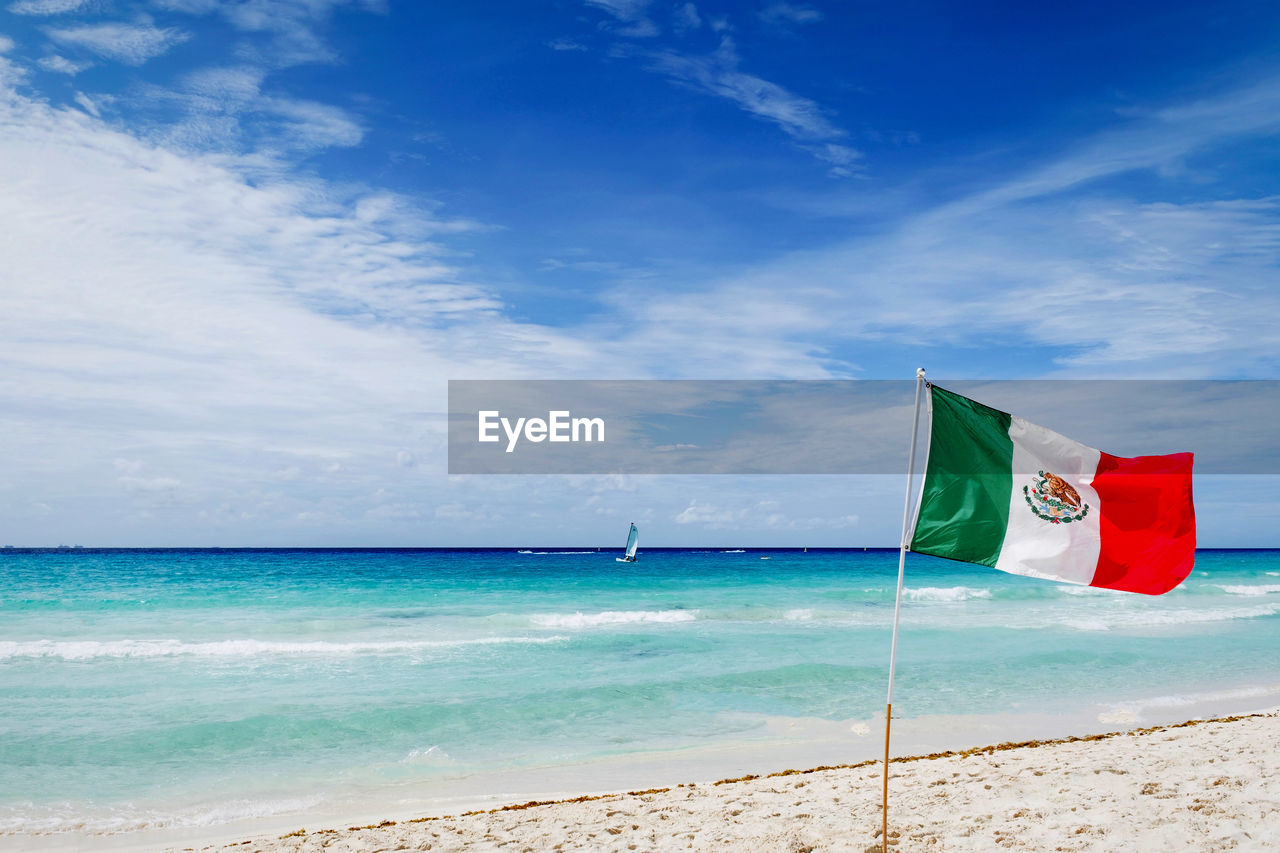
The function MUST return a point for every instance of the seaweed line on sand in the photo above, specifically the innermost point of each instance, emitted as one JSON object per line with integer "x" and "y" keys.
{"x": 950, "y": 753}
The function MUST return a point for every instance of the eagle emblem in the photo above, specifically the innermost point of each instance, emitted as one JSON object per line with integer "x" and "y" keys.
{"x": 1053, "y": 499}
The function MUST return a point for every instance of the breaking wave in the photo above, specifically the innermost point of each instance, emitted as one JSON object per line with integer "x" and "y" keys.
{"x": 553, "y": 553}
{"x": 611, "y": 617}
{"x": 951, "y": 593}
{"x": 1247, "y": 589}
{"x": 1152, "y": 618}
{"x": 76, "y": 650}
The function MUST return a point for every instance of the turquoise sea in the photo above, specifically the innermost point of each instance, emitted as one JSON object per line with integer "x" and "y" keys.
{"x": 191, "y": 688}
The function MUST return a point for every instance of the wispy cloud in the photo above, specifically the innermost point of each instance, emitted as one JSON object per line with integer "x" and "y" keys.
{"x": 1053, "y": 258}
{"x": 785, "y": 15}
{"x": 631, "y": 16}
{"x": 293, "y": 27}
{"x": 87, "y": 104}
{"x": 224, "y": 108}
{"x": 1153, "y": 139}
{"x": 45, "y": 7}
{"x": 214, "y": 322}
{"x": 685, "y": 19}
{"x": 767, "y": 514}
{"x": 132, "y": 44}
{"x": 167, "y": 308}
{"x": 719, "y": 74}
{"x": 566, "y": 44}
{"x": 62, "y": 65}
{"x": 311, "y": 124}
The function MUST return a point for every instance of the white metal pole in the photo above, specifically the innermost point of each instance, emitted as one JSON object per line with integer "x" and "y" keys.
{"x": 897, "y": 608}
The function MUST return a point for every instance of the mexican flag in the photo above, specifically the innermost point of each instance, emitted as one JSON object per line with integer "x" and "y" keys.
{"x": 1006, "y": 493}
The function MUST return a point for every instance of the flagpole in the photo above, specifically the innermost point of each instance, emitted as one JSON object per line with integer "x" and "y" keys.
{"x": 897, "y": 608}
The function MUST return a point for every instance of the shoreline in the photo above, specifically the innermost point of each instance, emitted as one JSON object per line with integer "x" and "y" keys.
{"x": 1018, "y": 778}
{"x": 529, "y": 793}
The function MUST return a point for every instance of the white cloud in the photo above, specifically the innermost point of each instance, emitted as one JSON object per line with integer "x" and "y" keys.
{"x": 224, "y": 108}
{"x": 211, "y": 320}
{"x": 161, "y": 302}
{"x": 802, "y": 119}
{"x": 842, "y": 158}
{"x": 132, "y": 44}
{"x": 1051, "y": 258}
{"x": 787, "y": 14}
{"x": 149, "y": 484}
{"x": 309, "y": 124}
{"x": 631, "y": 15}
{"x": 685, "y": 18}
{"x": 225, "y": 85}
{"x": 62, "y": 65}
{"x": 45, "y": 7}
{"x": 293, "y": 26}
{"x": 87, "y": 103}
{"x": 718, "y": 74}
{"x": 10, "y": 74}
{"x": 766, "y": 514}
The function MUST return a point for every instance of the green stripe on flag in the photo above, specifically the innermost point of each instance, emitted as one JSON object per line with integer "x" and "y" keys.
{"x": 964, "y": 508}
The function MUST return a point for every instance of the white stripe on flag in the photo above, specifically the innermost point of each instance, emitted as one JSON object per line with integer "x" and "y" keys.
{"x": 1036, "y": 547}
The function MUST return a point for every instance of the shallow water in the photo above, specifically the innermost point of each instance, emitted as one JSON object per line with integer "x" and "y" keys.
{"x": 197, "y": 687}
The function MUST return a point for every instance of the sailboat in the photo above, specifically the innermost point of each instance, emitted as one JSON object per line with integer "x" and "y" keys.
{"x": 633, "y": 539}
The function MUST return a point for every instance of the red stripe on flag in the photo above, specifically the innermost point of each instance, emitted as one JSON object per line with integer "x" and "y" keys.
{"x": 1148, "y": 522}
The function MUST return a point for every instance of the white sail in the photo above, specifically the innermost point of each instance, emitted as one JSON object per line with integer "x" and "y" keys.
{"x": 633, "y": 540}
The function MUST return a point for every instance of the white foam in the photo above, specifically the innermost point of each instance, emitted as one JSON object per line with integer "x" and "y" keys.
{"x": 951, "y": 593}
{"x": 611, "y": 617}
{"x": 79, "y": 650}
{"x": 1078, "y": 589}
{"x": 1129, "y": 712}
{"x": 736, "y": 551}
{"x": 1180, "y": 700}
{"x": 28, "y": 819}
{"x": 431, "y": 755}
{"x": 1152, "y": 618}
{"x": 1120, "y": 716}
{"x": 799, "y": 615}
{"x": 1246, "y": 589}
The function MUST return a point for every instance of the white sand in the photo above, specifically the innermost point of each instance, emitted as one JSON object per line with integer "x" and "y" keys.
{"x": 1203, "y": 786}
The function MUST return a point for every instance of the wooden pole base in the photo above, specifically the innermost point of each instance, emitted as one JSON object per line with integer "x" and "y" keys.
{"x": 884, "y": 800}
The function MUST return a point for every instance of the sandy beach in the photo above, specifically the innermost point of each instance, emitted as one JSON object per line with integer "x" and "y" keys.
{"x": 1204, "y": 785}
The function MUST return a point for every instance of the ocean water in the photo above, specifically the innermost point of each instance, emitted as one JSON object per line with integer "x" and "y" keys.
{"x": 173, "y": 688}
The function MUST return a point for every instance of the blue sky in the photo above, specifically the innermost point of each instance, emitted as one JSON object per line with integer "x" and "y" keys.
{"x": 246, "y": 243}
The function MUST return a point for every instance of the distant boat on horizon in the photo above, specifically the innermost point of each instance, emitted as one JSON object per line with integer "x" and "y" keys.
{"x": 633, "y": 540}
